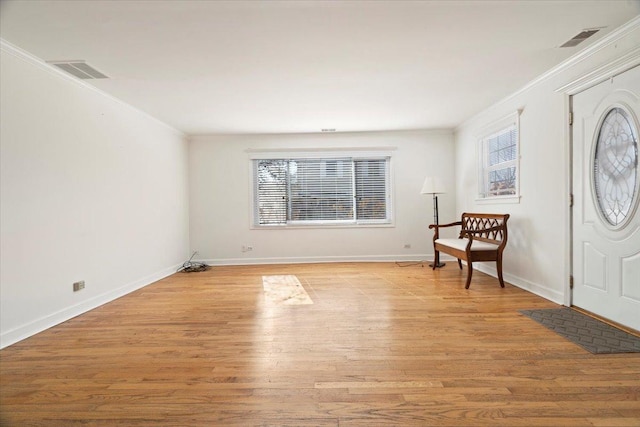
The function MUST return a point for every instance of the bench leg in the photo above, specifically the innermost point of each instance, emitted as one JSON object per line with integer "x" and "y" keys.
{"x": 499, "y": 268}
{"x": 460, "y": 263}
{"x": 469, "y": 274}
{"x": 436, "y": 259}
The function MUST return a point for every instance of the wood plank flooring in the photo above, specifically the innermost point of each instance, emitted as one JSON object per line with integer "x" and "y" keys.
{"x": 381, "y": 345}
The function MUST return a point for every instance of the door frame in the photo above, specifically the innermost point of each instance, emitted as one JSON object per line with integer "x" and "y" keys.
{"x": 580, "y": 84}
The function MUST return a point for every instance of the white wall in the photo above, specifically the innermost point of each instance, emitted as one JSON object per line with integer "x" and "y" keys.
{"x": 537, "y": 253}
{"x": 91, "y": 190}
{"x": 220, "y": 197}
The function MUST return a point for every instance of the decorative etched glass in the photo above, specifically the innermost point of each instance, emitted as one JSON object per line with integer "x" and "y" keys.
{"x": 615, "y": 166}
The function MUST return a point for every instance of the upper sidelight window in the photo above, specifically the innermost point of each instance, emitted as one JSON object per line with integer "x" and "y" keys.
{"x": 498, "y": 160}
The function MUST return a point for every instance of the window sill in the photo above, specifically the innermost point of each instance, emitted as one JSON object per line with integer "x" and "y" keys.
{"x": 319, "y": 227}
{"x": 499, "y": 200}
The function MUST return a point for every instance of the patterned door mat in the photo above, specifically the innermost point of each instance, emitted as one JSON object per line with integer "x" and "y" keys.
{"x": 589, "y": 333}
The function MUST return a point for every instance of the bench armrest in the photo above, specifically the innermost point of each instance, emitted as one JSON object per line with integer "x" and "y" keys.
{"x": 436, "y": 234}
{"x": 444, "y": 225}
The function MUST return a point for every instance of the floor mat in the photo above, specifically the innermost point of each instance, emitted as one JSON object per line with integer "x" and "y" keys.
{"x": 589, "y": 333}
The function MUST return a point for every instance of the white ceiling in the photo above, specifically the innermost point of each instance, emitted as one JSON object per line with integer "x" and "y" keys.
{"x": 301, "y": 66}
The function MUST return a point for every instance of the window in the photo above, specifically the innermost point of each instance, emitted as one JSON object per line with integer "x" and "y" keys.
{"x": 498, "y": 160}
{"x": 615, "y": 167}
{"x": 321, "y": 191}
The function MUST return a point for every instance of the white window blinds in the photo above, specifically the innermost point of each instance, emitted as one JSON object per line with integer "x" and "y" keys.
{"x": 272, "y": 184}
{"x": 320, "y": 191}
{"x": 371, "y": 189}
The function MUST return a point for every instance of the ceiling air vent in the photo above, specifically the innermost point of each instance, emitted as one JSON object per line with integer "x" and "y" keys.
{"x": 579, "y": 38}
{"x": 80, "y": 69}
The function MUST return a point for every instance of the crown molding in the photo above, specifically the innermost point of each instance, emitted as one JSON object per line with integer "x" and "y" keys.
{"x": 22, "y": 54}
{"x": 596, "y": 47}
{"x": 589, "y": 51}
{"x": 592, "y": 78}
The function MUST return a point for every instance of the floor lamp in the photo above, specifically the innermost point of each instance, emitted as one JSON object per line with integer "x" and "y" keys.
{"x": 433, "y": 186}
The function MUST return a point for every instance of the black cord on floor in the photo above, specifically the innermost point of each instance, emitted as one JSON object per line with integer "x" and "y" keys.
{"x": 192, "y": 267}
{"x": 410, "y": 263}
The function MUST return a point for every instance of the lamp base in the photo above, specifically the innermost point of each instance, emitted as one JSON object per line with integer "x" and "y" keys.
{"x": 438, "y": 265}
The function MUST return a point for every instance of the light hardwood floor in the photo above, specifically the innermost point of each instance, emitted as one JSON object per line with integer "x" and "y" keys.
{"x": 381, "y": 345}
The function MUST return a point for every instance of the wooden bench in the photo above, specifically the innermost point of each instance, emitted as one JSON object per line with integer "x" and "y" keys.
{"x": 482, "y": 238}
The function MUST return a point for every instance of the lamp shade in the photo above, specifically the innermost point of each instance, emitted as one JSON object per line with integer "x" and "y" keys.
{"x": 432, "y": 185}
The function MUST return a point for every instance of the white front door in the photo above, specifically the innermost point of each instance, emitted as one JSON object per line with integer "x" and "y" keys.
{"x": 606, "y": 183}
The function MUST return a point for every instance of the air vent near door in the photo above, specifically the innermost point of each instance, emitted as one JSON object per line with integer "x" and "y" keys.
{"x": 80, "y": 69}
{"x": 579, "y": 38}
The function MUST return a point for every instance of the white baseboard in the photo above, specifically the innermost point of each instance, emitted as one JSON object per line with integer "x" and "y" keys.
{"x": 46, "y": 322}
{"x": 316, "y": 260}
{"x": 540, "y": 290}
{"x": 521, "y": 283}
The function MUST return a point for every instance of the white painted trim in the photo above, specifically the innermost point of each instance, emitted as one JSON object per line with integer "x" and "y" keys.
{"x": 500, "y": 124}
{"x": 322, "y": 226}
{"x": 568, "y": 221}
{"x": 426, "y": 258}
{"x": 357, "y": 151}
{"x": 535, "y": 288}
{"x": 11, "y": 49}
{"x": 320, "y": 154}
{"x": 499, "y": 200}
{"x": 526, "y": 285}
{"x": 582, "y": 83}
{"x": 606, "y": 41}
{"x": 328, "y": 135}
{"x": 489, "y": 131}
{"x": 597, "y": 76}
{"x": 584, "y": 54}
{"x": 25, "y": 331}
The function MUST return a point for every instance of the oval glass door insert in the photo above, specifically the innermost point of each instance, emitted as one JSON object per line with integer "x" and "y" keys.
{"x": 615, "y": 166}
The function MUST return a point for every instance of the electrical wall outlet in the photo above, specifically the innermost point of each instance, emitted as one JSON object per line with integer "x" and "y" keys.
{"x": 78, "y": 286}
{"x": 247, "y": 248}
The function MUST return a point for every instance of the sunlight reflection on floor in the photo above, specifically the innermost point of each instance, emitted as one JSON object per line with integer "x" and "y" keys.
{"x": 285, "y": 290}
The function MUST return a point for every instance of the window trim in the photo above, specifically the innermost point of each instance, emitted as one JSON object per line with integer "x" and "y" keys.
{"x": 486, "y": 133}
{"x": 364, "y": 153}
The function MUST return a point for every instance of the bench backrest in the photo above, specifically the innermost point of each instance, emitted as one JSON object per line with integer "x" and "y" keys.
{"x": 479, "y": 221}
